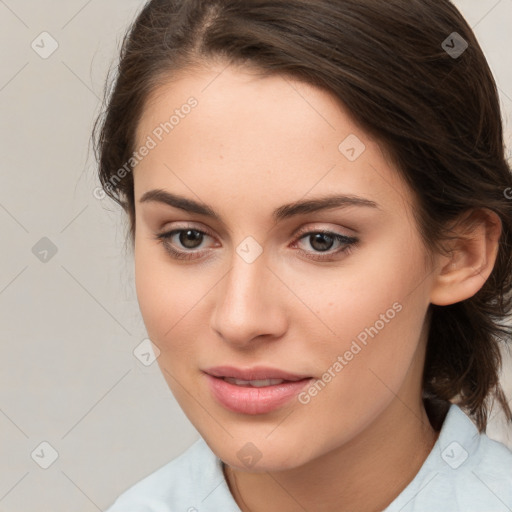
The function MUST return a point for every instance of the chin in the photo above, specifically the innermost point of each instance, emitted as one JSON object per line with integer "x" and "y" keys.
{"x": 259, "y": 455}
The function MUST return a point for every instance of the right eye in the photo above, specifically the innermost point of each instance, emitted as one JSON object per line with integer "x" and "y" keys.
{"x": 181, "y": 243}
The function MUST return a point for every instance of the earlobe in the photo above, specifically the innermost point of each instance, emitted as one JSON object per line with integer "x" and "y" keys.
{"x": 462, "y": 273}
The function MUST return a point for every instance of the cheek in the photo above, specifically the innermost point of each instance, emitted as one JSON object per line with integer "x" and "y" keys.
{"x": 368, "y": 361}
{"x": 167, "y": 306}
{"x": 170, "y": 304}
{"x": 175, "y": 303}
{"x": 367, "y": 288}
{"x": 164, "y": 292}
{"x": 371, "y": 314}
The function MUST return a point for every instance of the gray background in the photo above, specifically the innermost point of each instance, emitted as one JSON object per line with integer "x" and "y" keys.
{"x": 70, "y": 323}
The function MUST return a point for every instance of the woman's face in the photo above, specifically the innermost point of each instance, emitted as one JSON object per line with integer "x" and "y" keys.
{"x": 257, "y": 285}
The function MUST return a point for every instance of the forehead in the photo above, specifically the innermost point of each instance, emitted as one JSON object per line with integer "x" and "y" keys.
{"x": 251, "y": 134}
{"x": 263, "y": 105}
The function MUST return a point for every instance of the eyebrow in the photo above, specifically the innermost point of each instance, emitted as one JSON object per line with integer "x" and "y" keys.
{"x": 283, "y": 212}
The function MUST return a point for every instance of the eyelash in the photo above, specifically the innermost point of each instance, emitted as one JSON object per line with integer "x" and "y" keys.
{"x": 350, "y": 244}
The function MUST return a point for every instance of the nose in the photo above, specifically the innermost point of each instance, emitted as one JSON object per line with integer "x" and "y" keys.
{"x": 248, "y": 304}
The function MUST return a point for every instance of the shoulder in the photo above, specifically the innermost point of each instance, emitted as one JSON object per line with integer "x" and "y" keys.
{"x": 184, "y": 483}
{"x": 465, "y": 470}
{"x": 484, "y": 478}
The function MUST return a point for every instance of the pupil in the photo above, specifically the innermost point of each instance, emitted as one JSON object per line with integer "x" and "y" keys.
{"x": 189, "y": 238}
{"x": 321, "y": 239}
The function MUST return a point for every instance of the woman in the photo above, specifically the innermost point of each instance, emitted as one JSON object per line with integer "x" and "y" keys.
{"x": 319, "y": 209}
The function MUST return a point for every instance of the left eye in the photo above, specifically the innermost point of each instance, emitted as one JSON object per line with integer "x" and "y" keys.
{"x": 189, "y": 240}
{"x": 323, "y": 241}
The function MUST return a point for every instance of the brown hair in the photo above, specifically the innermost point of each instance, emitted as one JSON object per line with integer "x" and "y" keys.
{"x": 434, "y": 112}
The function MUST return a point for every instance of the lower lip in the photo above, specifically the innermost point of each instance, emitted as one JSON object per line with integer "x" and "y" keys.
{"x": 252, "y": 400}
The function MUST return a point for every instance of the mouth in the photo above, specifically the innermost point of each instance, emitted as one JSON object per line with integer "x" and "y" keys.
{"x": 253, "y": 391}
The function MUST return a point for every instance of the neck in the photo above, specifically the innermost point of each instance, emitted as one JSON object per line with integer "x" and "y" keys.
{"x": 365, "y": 474}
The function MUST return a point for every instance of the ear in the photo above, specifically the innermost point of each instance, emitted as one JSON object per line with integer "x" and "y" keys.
{"x": 472, "y": 254}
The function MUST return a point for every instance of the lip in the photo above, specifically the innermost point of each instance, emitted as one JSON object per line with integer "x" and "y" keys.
{"x": 254, "y": 400}
{"x": 254, "y": 373}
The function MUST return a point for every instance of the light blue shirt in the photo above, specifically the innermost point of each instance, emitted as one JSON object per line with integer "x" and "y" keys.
{"x": 465, "y": 471}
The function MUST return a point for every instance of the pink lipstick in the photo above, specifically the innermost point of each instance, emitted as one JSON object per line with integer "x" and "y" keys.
{"x": 256, "y": 390}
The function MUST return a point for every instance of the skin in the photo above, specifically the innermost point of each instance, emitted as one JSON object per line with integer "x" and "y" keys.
{"x": 252, "y": 145}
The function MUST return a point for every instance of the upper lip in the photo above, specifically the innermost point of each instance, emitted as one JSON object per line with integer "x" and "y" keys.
{"x": 254, "y": 373}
